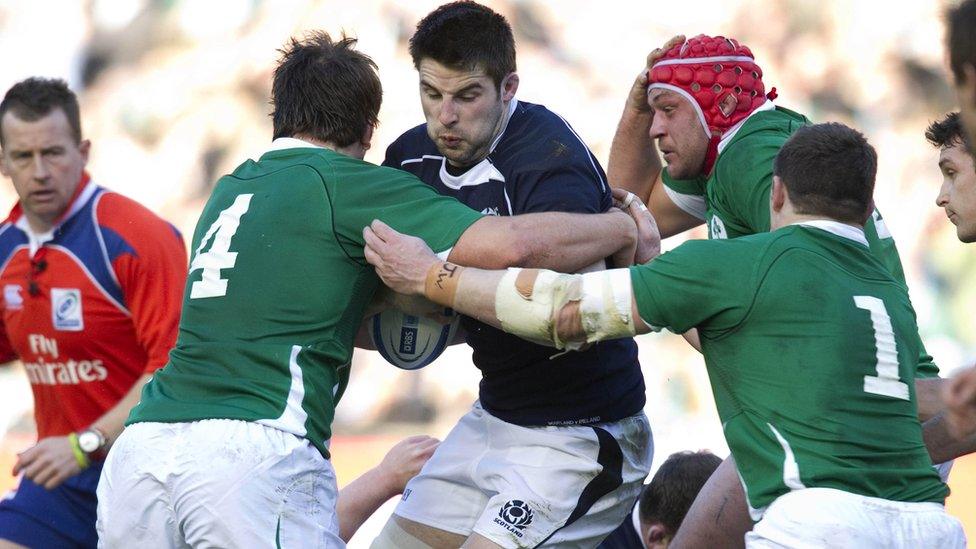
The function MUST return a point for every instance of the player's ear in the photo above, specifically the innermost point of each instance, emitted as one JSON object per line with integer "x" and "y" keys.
{"x": 657, "y": 536}
{"x": 509, "y": 86}
{"x": 367, "y": 137}
{"x": 84, "y": 147}
{"x": 777, "y": 196}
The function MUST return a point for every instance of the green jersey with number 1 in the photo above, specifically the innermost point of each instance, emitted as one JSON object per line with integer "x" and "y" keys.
{"x": 734, "y": 199}
{"x": 278, "y": 285}
{"x": 811, "y": 351}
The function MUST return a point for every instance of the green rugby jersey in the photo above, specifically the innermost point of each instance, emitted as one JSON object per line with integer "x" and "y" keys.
{"x": 278, "y": 284}
{"x": 736, "y": 193}
{"x": 811, "y": 350}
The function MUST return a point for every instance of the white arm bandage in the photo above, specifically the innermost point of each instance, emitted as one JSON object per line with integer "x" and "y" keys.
{"x": 528, "y": 304}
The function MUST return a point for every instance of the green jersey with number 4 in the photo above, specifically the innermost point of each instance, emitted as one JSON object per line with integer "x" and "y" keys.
{"x": 278, "y": 285}
{"x": 811, "y": 352}
{"x": 734, "y": 199}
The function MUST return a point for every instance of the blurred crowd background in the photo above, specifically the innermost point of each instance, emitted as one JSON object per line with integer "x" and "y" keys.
{"x": 175, "y": 93}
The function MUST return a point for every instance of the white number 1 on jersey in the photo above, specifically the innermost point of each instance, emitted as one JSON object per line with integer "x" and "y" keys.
{"x": 219, "y": 255}
{"x": 887, "y": 382}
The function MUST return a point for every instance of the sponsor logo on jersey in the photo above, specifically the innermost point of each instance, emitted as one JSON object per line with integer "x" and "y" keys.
{"x": 716, "y": 228}
{"x": 46, "y": 368}
{"x": 66, "y": 309}
{"x": 12, "y": 297}
{"x": 71, "y": 372}
{"x": 514, "y": 516}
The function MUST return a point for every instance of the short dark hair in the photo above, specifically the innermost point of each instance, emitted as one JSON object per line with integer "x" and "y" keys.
{"x": 962, "y": 37}
{"x": 466, "y": 36}
{"x": 829, "y": 169}
{"x": 35, "y": 98}
{"x": 325, "y": 89}
{"x": 674, "y": 488}
{"x": 947, "y": 132}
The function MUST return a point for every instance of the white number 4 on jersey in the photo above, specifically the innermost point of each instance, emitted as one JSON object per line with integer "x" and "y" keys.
{"x": 219, "y": 255}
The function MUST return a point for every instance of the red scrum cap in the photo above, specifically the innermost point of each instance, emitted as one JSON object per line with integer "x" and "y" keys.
{"x": 719, "y": 77}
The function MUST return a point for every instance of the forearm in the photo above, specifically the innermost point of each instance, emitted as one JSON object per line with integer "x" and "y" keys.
{"x": 942, "y": 446}
{"x": 541, "y": 306}
{"x": 558, "y": 241}
{"x": 928, "y": 396}
{"x": 719, "y": 517}
{"x": 112, "y": 422}
{"x": 634, "y": 162}
{"x": 360, "y": 499}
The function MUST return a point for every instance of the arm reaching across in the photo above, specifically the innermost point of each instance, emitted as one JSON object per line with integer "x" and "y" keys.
{"x": 554, "y": 240}
{"x": 363, "y": 496}
{"x": 565, "y": 311}
{"x": 960, "y": 400}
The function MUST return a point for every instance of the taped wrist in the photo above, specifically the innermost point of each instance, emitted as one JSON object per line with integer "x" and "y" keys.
{"x": 442, "y": 283}
{"x": 606, "y": 308}
{"x": 531, "y": 304}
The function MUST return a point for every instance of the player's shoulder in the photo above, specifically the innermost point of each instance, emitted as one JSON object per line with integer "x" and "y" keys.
{"x": 752, "y": 243}
{"x": 831, "y": 243}
{"x": 318, "y": 166}
{"x": 762, "y": 135}
{"x": 775, "y": 122}
{"x": 538, "y": 138}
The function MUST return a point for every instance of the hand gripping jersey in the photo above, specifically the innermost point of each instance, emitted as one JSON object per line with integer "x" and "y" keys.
{"x": 536, "y": 164}
{"x": 278, "y": 284}
{"x": 90, "y": 306}
{"x": 734, "y": 199}
{"x": 811, "y": 351}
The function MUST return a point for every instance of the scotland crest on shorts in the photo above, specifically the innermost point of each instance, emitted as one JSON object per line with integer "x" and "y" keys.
{"x": 516, "y": 513}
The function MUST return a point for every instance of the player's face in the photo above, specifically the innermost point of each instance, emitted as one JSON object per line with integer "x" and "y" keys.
{"x": 464, "y": 110}
{"x": 679, "y": 133}
{"x": 958, "y": 193}
{"x": 44, "y": 162}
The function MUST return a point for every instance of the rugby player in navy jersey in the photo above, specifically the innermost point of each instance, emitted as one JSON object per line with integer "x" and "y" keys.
{"x": 557, "y": 447}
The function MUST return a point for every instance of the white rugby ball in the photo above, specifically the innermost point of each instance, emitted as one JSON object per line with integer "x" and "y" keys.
{"x": 410, "y": 342}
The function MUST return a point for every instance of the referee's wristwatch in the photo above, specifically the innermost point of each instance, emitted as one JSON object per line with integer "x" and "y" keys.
{"x": 91, "y": 441}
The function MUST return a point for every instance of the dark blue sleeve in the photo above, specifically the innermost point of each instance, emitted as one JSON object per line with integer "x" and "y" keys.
{"x": 566, "y": 181}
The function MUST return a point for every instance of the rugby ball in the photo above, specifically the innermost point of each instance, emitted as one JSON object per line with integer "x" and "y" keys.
{"x": 410, "y": 342}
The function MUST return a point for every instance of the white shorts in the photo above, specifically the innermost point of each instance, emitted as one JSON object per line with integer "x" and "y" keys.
{"x": 530, "y": 486}
{"x": 824, "y": 517}
{"x": 215, "y": 483}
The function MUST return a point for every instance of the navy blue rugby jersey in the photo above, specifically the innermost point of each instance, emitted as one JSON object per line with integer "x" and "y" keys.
{"x": 536, "y": 164}
{"x": 627, "y": 535}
